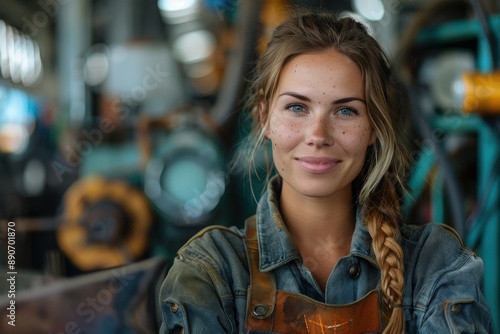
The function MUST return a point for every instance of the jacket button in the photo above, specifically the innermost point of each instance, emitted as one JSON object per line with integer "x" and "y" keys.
{"x": 174, "y": 308}
{"x": 456, "y": 308}
{"x": 354, "y": 271}
{"x": 259, "y": 310}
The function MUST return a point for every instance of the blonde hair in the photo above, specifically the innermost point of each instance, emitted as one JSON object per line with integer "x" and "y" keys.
{"x": 382, "y": 179}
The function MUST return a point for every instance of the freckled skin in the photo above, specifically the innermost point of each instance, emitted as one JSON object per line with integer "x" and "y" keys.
{"x": 322, "y": 128}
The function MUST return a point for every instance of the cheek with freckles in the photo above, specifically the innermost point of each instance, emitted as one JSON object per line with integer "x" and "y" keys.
{"x": 283, "y": 141}
{"x": 356, "y": 138}
{"x": 278, "y": 161}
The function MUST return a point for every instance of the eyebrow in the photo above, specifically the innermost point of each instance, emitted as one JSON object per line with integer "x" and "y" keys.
{"x": 339, "y": 101}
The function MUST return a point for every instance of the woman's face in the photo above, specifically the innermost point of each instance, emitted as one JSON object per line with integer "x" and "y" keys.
{"x": 319, "y": 125}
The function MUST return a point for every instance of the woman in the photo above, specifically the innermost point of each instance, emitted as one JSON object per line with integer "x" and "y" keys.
{"x": 327, "y": 251}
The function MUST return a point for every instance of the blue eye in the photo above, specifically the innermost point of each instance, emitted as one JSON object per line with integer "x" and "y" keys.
{"x": 295, "y": 108}
{"x": 345, "y": 111}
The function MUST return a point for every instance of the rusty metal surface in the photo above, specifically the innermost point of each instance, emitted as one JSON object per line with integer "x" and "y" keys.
{"x": 120, "y": 300}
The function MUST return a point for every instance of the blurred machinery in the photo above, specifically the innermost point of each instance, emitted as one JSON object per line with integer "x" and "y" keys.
{"x": 136, "y": 148}
{"x": 105, "y": 224}
{"x": 151, "y": 127}
{"x": 451, "y": 67}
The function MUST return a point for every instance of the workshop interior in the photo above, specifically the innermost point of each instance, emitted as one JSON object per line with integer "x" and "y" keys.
{"x": 120, "y": 121}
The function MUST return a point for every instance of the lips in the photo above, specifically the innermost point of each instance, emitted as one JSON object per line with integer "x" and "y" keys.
{"x": 317, "y": 165}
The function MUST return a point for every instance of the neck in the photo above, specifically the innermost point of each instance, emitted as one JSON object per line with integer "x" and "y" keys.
{"x": 312, "y": 219}
{"x": 321, "y": 228}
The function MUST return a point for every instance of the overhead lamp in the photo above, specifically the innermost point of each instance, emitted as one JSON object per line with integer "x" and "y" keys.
{"x": 96, "y": 68}
{"x": 20, "y": 59}
{"x": 360, "y": 19}
{"x": 179, "y": 11}
{"x": 195, "y": 50}
{"x": 372, "y": 10}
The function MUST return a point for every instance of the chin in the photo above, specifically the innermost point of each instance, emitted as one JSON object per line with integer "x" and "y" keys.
{"x": 320, "y": 189}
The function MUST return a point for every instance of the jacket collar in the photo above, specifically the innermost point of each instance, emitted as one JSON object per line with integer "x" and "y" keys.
{"x": 275, "y": 243}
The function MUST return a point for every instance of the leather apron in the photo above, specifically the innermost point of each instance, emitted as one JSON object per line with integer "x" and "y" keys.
{"x": 275, "y": 311}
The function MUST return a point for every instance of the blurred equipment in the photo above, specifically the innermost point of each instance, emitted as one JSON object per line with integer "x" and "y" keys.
{"x": 197, "y": 32}
{"x": 17, "y": 120}
{"x": 185, "y": 177}
{"x": 105, "y": 224}
{"x": 142, "y": 78}
{"x": 26, "y": 154}
{"x": 442, "y": 73}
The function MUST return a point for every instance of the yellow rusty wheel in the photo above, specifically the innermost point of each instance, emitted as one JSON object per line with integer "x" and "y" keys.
{"x": 105, "y": 223}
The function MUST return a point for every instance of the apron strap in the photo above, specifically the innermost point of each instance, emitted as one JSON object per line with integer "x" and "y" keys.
{"x": 261, "y": 296}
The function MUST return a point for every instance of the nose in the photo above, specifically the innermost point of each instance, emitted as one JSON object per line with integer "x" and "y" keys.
{"x": 319, "y": 132}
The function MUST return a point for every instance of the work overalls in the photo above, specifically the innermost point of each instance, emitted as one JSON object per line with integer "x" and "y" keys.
{"x": 275, "y": 311}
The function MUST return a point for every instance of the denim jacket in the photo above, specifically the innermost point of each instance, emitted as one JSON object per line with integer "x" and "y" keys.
{"x": 205, "y": 290}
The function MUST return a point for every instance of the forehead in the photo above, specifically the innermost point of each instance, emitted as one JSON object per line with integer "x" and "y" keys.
{"x": 329, "y": 70}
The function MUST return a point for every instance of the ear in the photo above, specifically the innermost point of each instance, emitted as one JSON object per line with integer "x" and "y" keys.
{"x": 263, "y": 118}
{"x": 373, "y": 137}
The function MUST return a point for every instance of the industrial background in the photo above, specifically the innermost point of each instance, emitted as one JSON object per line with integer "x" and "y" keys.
{"x": 119, "y": 120}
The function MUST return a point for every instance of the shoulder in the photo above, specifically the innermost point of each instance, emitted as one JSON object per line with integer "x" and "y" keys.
{"x": 438, "y": 239}
{"x": 435, "y": 247}
{"x": 443, "y": 281}
{"x": 432, "y": 232}
{"x": 213, "y": 244}
{"x": 436, "y": 256}
{"x": 216, "y": 255}
{"x": 206, "y": 282}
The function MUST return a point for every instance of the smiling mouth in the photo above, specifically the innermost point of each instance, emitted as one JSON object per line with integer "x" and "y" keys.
{"x": 316, "y": 165}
